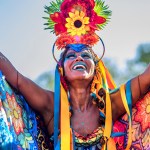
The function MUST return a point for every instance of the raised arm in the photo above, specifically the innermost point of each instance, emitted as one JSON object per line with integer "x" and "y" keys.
{"x": 39, "y": 99}
{"x": 140, "y": 85}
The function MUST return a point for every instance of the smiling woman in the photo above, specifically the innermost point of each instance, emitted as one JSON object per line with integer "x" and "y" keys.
{"x": 81, "y": 111}
{"x": 78, "y": 64}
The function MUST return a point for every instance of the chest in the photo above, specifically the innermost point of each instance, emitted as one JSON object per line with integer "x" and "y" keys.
{"x": 85, "y": 122}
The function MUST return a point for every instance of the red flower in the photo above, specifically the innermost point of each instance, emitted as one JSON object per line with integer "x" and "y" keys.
{"x": 66, "y": 6}
{"x": 69, "y": 5}
{"x": 93, "y": 26}
{"x": 95, "y": 19}
{"x": 59, "y": 28}
{"x": 87, "y": 3}
{"x": 56, "y": 17}
{"x": 99, "y": 19}
{"x": 92, "y": 3}
{"x": 119, "y": 127}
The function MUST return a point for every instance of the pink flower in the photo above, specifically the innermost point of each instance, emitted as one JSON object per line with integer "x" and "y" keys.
{"x": 119, "y": 127}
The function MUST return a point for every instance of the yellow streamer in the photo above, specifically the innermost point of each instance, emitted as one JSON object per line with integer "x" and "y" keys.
{"x": 110, "y": 80}
{"x": 124, "y": 100}
{"x": 108, "y": 121}
{"x": 102, "y": 69}
{"x": 111, "y": 145}
{"x": 65, "y": 121}
{"x": 71, "y": 141}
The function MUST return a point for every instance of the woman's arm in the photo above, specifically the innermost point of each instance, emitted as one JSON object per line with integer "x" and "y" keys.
{"x": 39, "y": 99}
{"x": 140, "y": 85}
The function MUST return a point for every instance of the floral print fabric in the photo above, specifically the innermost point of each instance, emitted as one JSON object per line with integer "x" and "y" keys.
{"x": 20, "y": 127}
{"x": 140, "y": 126}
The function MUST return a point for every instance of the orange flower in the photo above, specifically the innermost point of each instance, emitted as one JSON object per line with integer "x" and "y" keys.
{"x": 143, "y": 112}
{"x": 16, "y": 113}
{"x": 64, "y": 40}
{"x": 90, "y": 39}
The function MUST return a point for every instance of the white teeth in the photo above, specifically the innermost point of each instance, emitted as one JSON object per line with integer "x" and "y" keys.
{"x": 76, "y": 67}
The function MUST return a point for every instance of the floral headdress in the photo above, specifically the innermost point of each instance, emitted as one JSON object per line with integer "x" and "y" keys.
{"x": 76, "y": 21}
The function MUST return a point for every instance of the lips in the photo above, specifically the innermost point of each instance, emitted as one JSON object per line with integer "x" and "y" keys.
{"x": 79, "y": 66}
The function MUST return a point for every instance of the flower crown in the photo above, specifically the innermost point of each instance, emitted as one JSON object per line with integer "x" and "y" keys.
{"x": 75, "y": 21}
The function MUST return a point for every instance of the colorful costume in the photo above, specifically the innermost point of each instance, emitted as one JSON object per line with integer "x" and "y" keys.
{"x": 140, "y": 126}
{"x": 32, "y": 134}
{"x": 75, "y": 24}
{"x": 20, "y": 127}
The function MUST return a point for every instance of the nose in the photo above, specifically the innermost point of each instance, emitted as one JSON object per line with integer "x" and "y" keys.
{"x": 79, "y": 58}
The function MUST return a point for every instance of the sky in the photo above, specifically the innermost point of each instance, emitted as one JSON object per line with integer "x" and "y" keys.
{"x": 28, "y": 46}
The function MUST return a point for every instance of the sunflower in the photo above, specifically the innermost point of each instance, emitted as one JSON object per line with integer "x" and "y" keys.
{"x": 77, "y": 23}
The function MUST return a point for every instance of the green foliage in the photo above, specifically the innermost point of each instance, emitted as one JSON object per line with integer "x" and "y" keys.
{"x": 51, "y": 9}
{"x": 113, "y": 69}
{"x": 50, "y": 24}
{"x": 143, "y": 54}
{"x": 46, "y": 80}
{"x": 102, "y": 10}
{"x": 139, "y": 63}
{"x": 133, "y": 67}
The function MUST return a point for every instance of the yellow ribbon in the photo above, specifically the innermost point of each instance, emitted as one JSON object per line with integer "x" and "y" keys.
{"x": 102, "y": 69}
{"x": 124, "y": 100}
{"x": 65, "y": 121}
{"x": 108, "y": 120}
{"x": 111, "y": 83}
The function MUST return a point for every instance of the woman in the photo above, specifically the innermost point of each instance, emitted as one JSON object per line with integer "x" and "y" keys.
{"x": 88, "y": 104}
{"x": 79, "y": 68}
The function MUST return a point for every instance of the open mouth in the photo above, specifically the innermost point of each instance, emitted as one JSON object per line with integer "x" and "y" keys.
{"x": 79, "y": 66}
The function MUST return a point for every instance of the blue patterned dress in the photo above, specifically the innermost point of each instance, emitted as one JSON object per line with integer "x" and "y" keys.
{"x": 20, "y": 127}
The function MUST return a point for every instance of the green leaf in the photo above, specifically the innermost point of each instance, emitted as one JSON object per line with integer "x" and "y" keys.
{"x": 102, "y": 10}
{"x": 51, "y": 9}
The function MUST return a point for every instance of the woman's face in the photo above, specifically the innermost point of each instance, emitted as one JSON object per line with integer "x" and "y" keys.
{"x": 78, "y": 65}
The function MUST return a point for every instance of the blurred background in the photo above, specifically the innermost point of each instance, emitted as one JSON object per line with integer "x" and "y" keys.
{"x": 28, "y": 46}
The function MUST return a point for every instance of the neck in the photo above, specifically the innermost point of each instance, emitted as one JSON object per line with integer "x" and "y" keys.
{"x": 80, "y": 98}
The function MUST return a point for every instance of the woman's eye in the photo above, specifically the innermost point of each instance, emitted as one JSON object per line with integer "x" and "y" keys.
{"x": 70, "y": 56}
{"x": 86, "y": 55}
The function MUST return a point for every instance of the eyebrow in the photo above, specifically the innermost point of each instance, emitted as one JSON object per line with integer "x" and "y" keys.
{"x": 71, "y": 52}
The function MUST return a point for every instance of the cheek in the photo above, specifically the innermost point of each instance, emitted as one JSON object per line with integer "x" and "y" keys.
{"x": 66, "y": 67}
{"x": 92, "y": 67}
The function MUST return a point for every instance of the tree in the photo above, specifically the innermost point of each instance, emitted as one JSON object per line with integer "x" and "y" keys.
{"x": 133, "y": 67}
{"x": 46, "y": 80}
{"x": 142, "y": 58}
